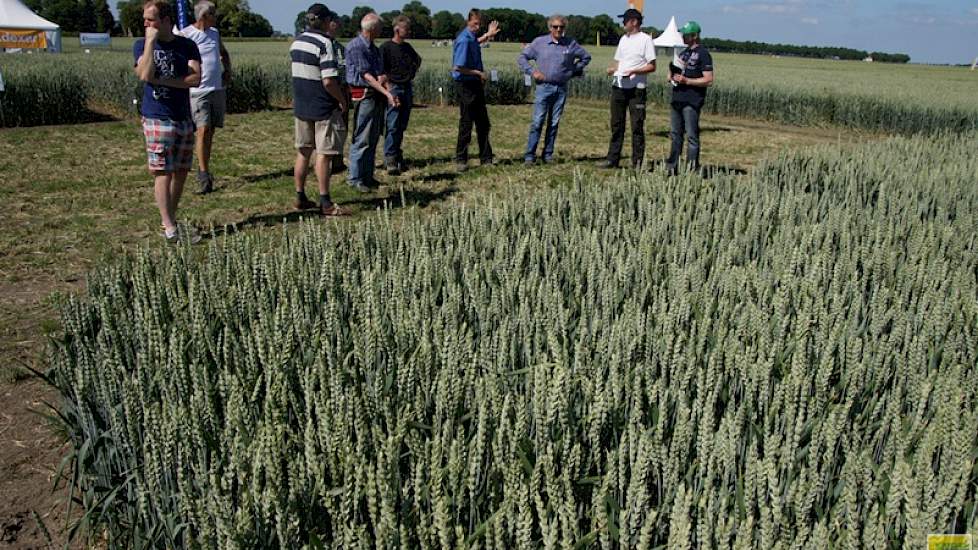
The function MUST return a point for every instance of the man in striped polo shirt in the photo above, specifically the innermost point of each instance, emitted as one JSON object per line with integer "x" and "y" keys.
{"x": 319, "y": 105}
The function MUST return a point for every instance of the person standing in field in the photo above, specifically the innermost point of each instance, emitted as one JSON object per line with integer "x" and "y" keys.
{"x": 558, "y": 59}
{"x": 208, "y": 101}
{"x": 169, "y": 65}
{"x": 370, "y": 93}
{"x": 470, "y": 81}
{"x": 689, "y": 82}
{"x": 634, "y": 59}
{"x": 318, "y": 103}
{"x": 401, "y": 64}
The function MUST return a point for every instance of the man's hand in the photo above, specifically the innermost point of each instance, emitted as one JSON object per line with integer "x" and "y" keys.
{"x": 493, "y": 29}
{"x": 611, "y": 70}
{"x": 679, "y": 79}
{"x": 392, "y": 100}
{"x": 151, "y": 34}
{"x": 483, "y": 76}
{"x": 538, "y": 76}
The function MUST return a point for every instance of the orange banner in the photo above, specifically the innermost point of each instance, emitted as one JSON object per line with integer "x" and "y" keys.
{"x": 22, "y": 39}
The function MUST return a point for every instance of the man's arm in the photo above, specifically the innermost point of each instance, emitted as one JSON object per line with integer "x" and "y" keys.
{"x": 523, "y": 59}
{"x": 225, "y": 63}
{"x": 191, "y": 80}
{"x": 377, "y": 84}
{"x": 704, "y": 81}
{"x": 334, "y": 89}
{"x": 582, "y": 56}
{"x": 145, "y": 64}
{"x": 459, "y": 58}
{"x": 491, "y": 33}
{"x": 644, "y": 69}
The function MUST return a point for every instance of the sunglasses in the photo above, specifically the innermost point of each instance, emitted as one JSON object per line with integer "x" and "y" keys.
{"x": 556, "y": 26}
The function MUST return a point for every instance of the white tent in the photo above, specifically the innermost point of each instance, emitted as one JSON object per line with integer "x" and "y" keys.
{"x": 671, "y": 41}
{"x": 22, "y": 28}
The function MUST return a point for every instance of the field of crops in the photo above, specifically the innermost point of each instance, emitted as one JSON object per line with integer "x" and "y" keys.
{"x": 780, "y": 360}
{"x": 75, "y": 87}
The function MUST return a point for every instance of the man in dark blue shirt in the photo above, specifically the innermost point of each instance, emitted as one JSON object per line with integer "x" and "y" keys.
{"x": 558, "y": 59}
{"x": 169, "y": 65}
{"x": 689, "y": 82}
{"x": 470, "y": 79}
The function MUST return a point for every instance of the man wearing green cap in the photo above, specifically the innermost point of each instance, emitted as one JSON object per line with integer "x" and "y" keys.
{"x": 689, "y": 79}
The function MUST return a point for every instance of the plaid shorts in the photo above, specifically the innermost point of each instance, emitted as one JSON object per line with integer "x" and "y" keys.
{"x": 169, "y": 144}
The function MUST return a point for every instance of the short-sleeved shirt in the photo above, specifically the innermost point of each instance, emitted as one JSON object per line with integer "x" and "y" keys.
{"x": 172, "y": 59}
{"x": 339, "y": 54}
{"x": 313, "y": 59}
{"x": 211, "y": 69}
{"x": 466, "y": 53}
{"x": 695, "y": 62}
{"x": 362, "y": 57}
{"x": 401, "y": 62}
{"x": 634, "y": 51}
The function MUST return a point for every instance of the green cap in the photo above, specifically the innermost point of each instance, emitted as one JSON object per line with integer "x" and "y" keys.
{"x": 691, "y": 27}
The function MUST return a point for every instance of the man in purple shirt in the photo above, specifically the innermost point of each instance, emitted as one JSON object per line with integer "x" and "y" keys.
{"x": 558, "y": 59}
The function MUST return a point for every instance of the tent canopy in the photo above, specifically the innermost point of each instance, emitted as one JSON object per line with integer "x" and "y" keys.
{"x": 15, "y": 15}
{"x": 670, "y": 38}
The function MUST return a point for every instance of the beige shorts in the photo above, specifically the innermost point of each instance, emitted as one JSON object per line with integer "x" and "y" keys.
{"x": 208, "y": 109}
{"x": 326, "y": 136}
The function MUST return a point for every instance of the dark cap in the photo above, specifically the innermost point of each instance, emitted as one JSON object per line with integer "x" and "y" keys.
{"x": 320, "y": 11}
{"x": 631, "y": 13}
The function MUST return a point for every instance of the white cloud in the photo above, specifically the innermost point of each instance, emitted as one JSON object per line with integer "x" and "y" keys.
{"x": 974, "y": 11}
{"x": 810, "y": 20}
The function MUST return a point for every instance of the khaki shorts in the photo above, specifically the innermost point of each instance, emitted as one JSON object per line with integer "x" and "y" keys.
{"x": 327, "y": 136}
{"x": 208, "y": 109}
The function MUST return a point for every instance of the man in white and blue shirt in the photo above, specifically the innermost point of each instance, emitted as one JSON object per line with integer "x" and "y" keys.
{"x": 319, "y": 104}
{"x": 558, "y": 59}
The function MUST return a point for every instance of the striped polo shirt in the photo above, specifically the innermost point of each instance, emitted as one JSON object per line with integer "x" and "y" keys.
{"x": 313, "y": 59}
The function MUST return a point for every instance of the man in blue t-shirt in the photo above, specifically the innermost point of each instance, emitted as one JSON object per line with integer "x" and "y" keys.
{"x": 689, "y": 82}
{"x": 470, "y": 80}
{"x": 169, "y": 65}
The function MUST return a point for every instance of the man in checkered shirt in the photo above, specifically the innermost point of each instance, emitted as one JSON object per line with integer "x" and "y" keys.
{"x": 169, "y": 65}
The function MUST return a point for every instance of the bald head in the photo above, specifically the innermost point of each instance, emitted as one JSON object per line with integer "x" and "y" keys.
{"x": 371, "y": 25}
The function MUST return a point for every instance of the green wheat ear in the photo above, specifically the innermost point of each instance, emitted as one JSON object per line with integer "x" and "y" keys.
{"x": 780, "y": 359}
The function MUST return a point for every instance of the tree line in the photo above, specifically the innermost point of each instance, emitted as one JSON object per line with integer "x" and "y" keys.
{"x": 818, "y": 52}
{"x": 235, "y": 18}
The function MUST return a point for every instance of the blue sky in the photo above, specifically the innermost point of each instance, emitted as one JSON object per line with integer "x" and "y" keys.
{"x": 930, "y": 32}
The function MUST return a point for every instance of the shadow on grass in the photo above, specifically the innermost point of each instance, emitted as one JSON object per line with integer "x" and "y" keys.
{"x": 703, "y": 130}
{"x": 412, "y": 197}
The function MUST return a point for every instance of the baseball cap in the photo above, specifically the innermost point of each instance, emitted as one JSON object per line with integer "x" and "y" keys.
{"x": 631, "y": 13}
{"x": 691, "y": 27}
{"x": 320, "y": 11}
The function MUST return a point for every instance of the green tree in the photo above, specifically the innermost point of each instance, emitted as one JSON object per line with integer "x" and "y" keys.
{"x": 387, "y": 17}
{"x": 130, "y": 17}
{"x": 579, "y": 28}
{"x": 606, "y": 27}
{"x": 300, "y": 22}
{"x": 104, "y": 20}
{"x": 355, "y": 17}
{"x": 420, "y": 17}
{"x": 445, "y": 24}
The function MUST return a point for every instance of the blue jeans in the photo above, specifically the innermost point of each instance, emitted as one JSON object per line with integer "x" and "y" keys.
{"x": 685, "y": 120}
{"x": 549, "y": 100}
{"x": 368, "y": 121}
{"x": 397, "y": 121}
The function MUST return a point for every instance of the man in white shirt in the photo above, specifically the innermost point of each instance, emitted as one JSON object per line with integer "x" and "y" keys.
{"x": 208, "y": 101}
{"x": 634, "y": 59}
